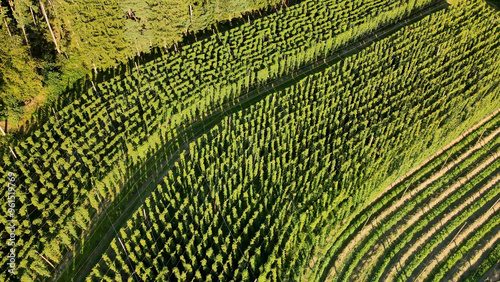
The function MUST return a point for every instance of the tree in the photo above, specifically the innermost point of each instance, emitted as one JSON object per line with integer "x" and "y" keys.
{"x": 19, "y": 80}
{"x": 138, "y": 31}
{"x": 44, "y": 13}
{"x": 168, "y": 20}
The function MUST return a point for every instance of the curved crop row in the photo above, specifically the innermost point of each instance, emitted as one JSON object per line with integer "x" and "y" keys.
{"x": 399, "y": 252}
{"x": 489, "y": 232}
{"x": 490, "y": 262}
{"x": 415, "y": 205}
{"x": 405, "y": 185}
{"x": 471, "y": 225}
{"x": 416, "y": 209}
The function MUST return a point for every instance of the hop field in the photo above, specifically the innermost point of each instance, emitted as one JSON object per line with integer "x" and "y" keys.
{"x": 269, "y": 151}
{"x": 252, "y": 197}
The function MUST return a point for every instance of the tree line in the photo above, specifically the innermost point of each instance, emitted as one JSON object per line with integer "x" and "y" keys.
{"x": 46, "y": 45}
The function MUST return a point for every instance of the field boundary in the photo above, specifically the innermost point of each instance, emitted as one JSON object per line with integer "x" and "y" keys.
{"x": 435, "y": 155}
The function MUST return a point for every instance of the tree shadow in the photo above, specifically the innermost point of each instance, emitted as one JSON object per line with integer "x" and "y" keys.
{"x": 495, "y": 4}
{"x": 74, "y": 90}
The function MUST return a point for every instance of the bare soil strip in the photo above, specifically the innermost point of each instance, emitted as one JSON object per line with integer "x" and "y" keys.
{"x": 493, "y": 274}
{"x": 422, "y": 239}
{"x": 379, "y": 219}
{"x": 397, "y": 231}
{"x": 463, "y": 234}
{"x": 471, "y": 261}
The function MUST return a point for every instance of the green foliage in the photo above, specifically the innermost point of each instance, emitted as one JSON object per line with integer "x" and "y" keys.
{"x": 93, "y": 34}
{"x": 300, "y": 163}
{"x": 168, "y": 20}
{"x": 138, "y": 31}
{"x": 19, "y": 80}
{"x": 92, "y": 149}
{"x": 263, "y": 187}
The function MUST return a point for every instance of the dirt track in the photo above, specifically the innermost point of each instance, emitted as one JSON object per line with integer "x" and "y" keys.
{"x": 397, "y": 231}
{"x": 403, "y": 259}
{"x": 376, "y": 221}
{"x": 458, "y": 239}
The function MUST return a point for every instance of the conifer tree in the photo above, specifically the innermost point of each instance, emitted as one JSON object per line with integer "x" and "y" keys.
{"x": 19, "y": 80}
{"x": 168, "y": 20}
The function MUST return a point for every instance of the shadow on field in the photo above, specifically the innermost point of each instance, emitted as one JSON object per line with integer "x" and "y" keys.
{"x": 495, "y": 4}
{"x": 74, "y": 90}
